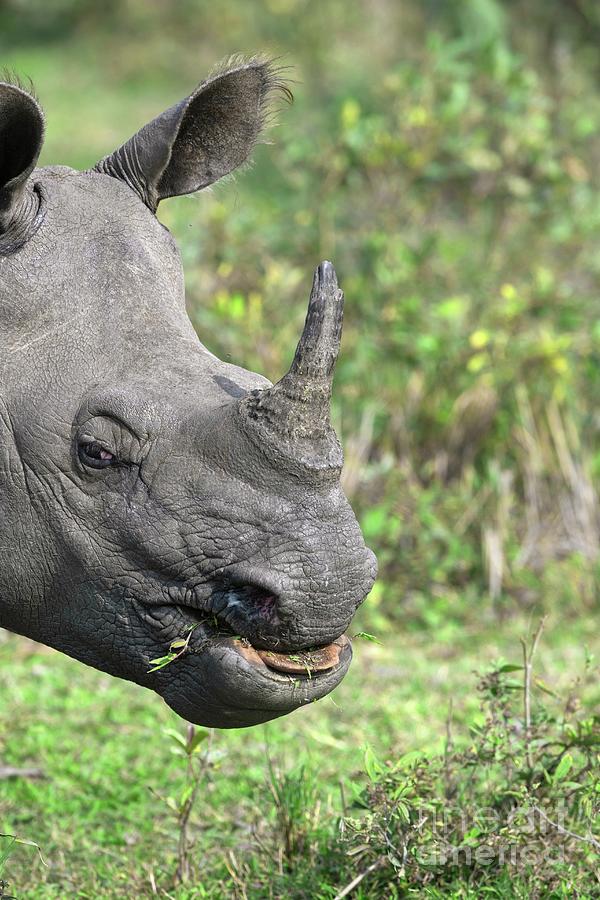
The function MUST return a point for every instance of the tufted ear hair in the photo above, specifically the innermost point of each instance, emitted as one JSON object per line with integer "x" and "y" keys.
{"x": 21, "y": 139}
{"x": 200, "y": 139}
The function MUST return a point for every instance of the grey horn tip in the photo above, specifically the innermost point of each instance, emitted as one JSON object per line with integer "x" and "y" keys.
{"x": 326, "y": 273}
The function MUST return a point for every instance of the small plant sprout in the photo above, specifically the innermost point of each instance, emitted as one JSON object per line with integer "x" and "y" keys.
{"x": 194, "y": 748}
{"x": 8, "y": 844}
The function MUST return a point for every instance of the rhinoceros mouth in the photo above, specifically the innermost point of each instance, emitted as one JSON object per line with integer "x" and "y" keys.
{"x": 303, "y": 663}
{"x": 222, "y": 678}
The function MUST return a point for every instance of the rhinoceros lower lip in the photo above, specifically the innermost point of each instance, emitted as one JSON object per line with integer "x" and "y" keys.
{"x": 302, "y": 662}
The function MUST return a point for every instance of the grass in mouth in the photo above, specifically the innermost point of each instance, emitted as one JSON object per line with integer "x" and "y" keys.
{"x": 176, "y": 650}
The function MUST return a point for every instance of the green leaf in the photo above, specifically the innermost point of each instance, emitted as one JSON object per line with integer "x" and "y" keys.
{"x": 367, "y": 637}
{"x": 4, "y": 854}
{"x": 563, "y": 768}
{"x": 161, "y": 662}
{"x": 175, "y": 736}
{"x": 200, "y": 736}
{"x": 412, "y": 756}
{"x": 509, "y": 667}
{"x": 403, "y": 811}
{"x": 373, "y": 766}
{"x": 545, "y": 688}
{"x": 17, "y": 840}
{"x": 471, "y": 835}
{"x": 178, "y": 751}
{"x": 185, "y": 795}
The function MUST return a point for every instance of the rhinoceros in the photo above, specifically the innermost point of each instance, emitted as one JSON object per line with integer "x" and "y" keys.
{"x": 157, "y": 503}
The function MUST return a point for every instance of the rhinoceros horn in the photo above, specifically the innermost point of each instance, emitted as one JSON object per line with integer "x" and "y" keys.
{"x": 296, "y": 411}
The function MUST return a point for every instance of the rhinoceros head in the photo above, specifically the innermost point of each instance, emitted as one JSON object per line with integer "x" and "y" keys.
{"x": 157, "y": 502}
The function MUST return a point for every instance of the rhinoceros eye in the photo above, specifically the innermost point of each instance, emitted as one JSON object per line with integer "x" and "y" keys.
{"x": 96, "y": 456}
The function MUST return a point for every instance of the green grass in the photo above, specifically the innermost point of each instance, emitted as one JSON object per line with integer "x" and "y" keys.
{"x": 102, "y": 745}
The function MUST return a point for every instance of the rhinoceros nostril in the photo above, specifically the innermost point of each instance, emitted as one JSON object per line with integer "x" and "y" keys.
{"x": 253, "y": 603}
{"x": 265, "y": 603}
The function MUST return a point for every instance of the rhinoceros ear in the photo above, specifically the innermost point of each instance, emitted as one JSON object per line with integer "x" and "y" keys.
{"x": 201, "y": 139}
{"x": 21, "y": 139}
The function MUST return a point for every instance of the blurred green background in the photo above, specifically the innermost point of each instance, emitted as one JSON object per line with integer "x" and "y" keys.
{"x": 445, "y": 155}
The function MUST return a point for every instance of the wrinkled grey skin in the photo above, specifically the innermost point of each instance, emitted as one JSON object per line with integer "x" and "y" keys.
{"x": 201, "y": 508}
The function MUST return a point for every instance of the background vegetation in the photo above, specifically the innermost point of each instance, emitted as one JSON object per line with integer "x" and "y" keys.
{"x": 445, "y": 155}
